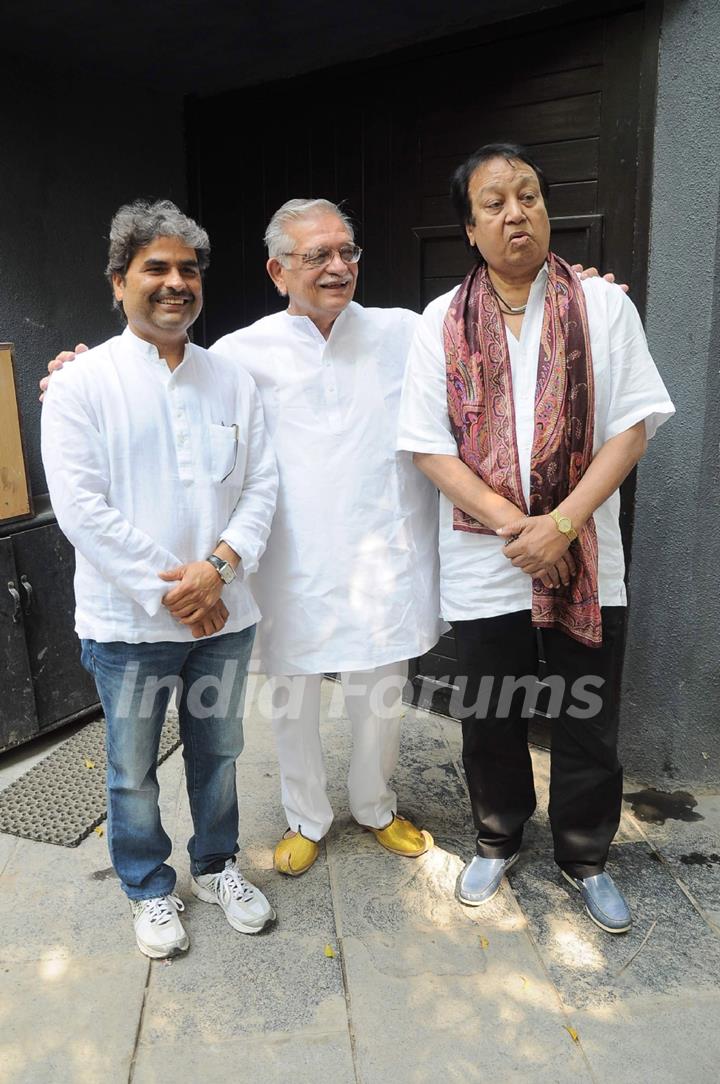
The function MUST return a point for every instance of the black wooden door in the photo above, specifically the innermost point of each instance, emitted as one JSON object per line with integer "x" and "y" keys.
{"x": 387, "y": 142}
{"x": 45, "y": 564}
{"x": 18, "y": 720}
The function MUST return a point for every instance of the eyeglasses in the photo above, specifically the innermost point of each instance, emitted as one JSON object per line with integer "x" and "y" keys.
{"x": 320, "y": 257}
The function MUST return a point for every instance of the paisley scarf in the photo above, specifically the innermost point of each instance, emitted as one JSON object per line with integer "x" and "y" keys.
{"x": 482, "y": 418}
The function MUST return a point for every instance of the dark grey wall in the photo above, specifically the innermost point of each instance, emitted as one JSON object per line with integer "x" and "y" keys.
{"x": 73, "y": 149}
{"x": 671, "y": 702}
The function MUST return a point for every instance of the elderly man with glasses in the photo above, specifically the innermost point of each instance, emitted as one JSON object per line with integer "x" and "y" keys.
{"x": 348, "y": 584}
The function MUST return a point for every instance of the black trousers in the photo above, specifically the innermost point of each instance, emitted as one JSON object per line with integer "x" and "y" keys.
{"x": 585, "y": 775}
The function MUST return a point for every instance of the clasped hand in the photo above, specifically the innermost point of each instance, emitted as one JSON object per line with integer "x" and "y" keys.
{"x": 536, "y": 546}
{"x": 196, "y": 600}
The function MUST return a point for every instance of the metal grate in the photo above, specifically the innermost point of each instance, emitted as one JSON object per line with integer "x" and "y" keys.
{"x": 62, "y": 798}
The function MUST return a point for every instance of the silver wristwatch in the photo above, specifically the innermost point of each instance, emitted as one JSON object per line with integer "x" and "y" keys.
{"x": 225, "y": 571}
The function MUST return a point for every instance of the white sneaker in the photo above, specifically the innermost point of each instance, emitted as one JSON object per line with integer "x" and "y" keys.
{"x": 245, "y": 907}
{"x": 158, "y": 929}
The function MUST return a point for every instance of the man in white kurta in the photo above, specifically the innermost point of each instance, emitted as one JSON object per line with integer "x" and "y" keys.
{"x": 348, "y": 583}
{"x": 162, "y": 477}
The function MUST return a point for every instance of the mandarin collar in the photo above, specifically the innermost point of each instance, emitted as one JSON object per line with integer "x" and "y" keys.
{"x": 149, "y": 351}
{"x": 306, "y": 325}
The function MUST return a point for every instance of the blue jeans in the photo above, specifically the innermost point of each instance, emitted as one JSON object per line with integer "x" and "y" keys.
{"x": 134, "y": 682}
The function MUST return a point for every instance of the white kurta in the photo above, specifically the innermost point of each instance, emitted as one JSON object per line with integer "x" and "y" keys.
{"x": 349, "y": 578}
{"x": 147, "y": 469}
{"x": 476, "y": 578}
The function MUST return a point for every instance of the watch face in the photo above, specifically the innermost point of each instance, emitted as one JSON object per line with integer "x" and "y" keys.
{"x": 565, "y": 524}
{"x": 223, "y": 568}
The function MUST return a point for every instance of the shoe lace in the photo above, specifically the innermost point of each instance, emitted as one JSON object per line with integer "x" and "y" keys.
{"x": 160, "y": 908}
{"x": 231, "y": 883}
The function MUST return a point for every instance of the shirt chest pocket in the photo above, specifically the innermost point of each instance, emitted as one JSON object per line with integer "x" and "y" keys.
{"x": 227, "y": 454}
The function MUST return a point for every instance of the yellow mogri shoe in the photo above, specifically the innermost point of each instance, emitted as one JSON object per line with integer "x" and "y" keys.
{"x": 402, "y": 837}
{"x": 295, "y": 854}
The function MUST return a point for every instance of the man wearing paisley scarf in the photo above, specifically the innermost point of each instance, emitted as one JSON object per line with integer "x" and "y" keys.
{"x": 529, "y": 396}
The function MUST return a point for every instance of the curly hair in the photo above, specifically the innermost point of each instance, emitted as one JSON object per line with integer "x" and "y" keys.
{"x": 137, "y": 224}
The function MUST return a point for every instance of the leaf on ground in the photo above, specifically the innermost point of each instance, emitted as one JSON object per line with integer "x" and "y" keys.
{"x": 330, "y": 952}
{"x": 572, "y": 1033}
{"x": 89, "y": 763}
{"x": 484, "y": 942}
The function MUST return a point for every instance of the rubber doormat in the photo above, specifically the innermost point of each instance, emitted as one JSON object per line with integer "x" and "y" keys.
{"x": 61, "y": 799}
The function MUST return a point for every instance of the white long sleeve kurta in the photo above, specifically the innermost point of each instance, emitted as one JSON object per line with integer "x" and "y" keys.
{"x": 148, "y": 469}
{"x": 477, "y": 580}
{"x": 349, "y": 578}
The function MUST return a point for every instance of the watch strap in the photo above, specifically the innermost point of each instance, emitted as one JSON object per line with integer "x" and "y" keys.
{"x": 224, "y": 569}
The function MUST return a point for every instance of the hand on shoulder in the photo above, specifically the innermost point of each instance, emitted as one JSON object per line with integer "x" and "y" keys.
{"x": 57, "y": 363}
{"x": 592, "y": 272}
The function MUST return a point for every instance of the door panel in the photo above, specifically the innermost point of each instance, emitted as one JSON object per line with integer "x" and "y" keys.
{"x": 17, "y": 703}
{"x": 46, "y": 563}
{"x": 444, "y": 259}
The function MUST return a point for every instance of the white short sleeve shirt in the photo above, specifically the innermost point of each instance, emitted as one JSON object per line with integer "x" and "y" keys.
{"x": 476, "y": 579}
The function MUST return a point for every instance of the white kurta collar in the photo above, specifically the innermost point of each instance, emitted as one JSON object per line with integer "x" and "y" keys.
{"x": 304, "y": 325}
{"x": 142, "y": 348}
{"x": 541, "y": 276}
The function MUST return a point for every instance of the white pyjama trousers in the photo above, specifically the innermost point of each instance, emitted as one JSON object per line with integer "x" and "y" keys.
{"x": 373, "y": 702}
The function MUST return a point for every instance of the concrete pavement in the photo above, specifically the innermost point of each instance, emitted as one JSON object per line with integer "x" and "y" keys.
{"x": 418, "y": 988}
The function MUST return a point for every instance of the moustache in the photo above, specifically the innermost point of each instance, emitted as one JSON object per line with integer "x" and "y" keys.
{"x": 175, "y": 295}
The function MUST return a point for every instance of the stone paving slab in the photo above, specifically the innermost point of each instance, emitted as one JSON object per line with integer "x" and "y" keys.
{"x": 304, "y": 905}
{"x": 436, "y": 1009}
{"x": 661, "y": 1040}
{"x": 377, "y": 891}
{"x": 231, "y": 985}
{"x": 591, "y": 968}
{"x": 46, "y": 919}
{"x": 62, "y": 900}
{"x": 70, "y": 1019}
{"x": 299, "y": 1057}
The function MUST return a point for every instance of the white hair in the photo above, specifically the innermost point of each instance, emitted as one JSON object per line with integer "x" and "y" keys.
{"x": 277, "y": 241}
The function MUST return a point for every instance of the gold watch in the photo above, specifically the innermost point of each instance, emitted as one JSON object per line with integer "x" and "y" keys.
{"x": 564, "y": 525}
